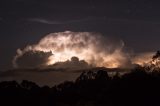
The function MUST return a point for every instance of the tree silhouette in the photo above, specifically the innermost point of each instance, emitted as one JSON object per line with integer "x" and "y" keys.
{"x": 93, "y": 88}
{"x": 154, "y": 64}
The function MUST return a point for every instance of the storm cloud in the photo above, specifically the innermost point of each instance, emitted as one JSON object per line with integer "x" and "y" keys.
{"x": 31, "y": 59}
{"x": 93, "y": 48}
{"x": 71, "y": 65}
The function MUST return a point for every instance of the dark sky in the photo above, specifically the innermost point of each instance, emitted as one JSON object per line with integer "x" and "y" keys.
{"x": 23, "y": 22}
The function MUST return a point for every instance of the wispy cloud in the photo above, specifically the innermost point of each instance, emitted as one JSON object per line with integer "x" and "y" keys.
{"x": 87, "y": 19}
{"x": 57, "y": 22}
{"x": 44, "y": 21}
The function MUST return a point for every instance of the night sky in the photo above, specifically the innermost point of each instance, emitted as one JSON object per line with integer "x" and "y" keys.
{"x": 23, "y": 22}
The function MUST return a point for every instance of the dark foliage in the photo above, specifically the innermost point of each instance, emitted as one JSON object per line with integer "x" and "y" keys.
{"x": 92, "y": 88}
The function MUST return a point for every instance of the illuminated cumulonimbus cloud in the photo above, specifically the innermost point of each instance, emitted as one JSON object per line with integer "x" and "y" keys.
{"x": 143, "y": 59}
{"x": 93, "y": 48}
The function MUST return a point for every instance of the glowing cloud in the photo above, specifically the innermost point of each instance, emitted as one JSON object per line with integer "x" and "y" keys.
{"x": 93, "y": 48}
{"x": 142, "y": 58}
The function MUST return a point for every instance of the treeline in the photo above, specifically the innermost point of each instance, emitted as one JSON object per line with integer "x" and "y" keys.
{"x": 92, "y": 88}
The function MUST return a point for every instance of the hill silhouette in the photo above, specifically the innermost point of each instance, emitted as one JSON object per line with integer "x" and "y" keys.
{"x": 92, "y": 88}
